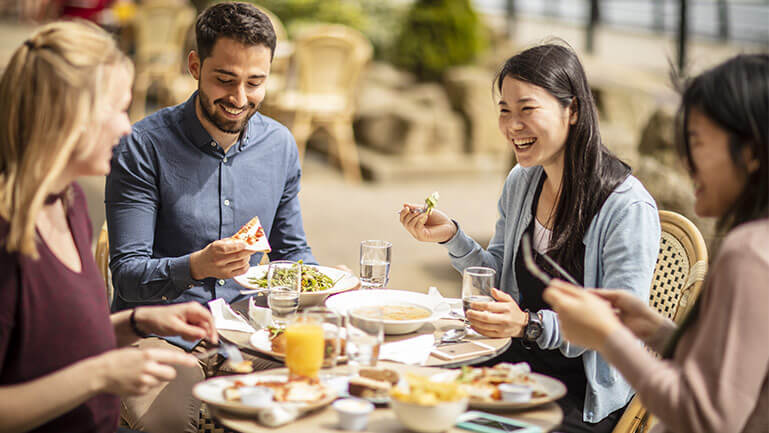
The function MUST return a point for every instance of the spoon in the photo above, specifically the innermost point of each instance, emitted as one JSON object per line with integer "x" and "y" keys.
{"x": 453, "y": 335}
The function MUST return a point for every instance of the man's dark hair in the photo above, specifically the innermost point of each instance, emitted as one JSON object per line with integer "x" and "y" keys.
{"x": 734, "y": 95}
{"x": 242, "y": 22}
{"x": 590, "y": 170}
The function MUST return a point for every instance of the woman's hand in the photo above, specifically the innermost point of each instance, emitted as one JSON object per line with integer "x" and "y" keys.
{"x": 131, "y": 371}
{"x": 189, "y": 320}
{"x": 503, "y": 318}
{"x": 586, "y": 319}
{"x": 634, "y": 313}
{"x": 433, "y": 227}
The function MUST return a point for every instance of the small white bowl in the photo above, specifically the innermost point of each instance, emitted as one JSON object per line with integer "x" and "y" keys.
{"x": 428, "y": 419}
{"x": 515, "y": 393}
{"x": 353, "y": 413}
{"x": 257, "y": 396}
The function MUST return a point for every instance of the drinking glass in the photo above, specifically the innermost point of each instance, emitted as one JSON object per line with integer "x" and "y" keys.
{"x": 332, "y": 335}
{"x": 477, "y": 282}
{"x": 284, "y": 281}
{"x": 365, "y": 333}
{"x": 375, "y": 263}
{"x": 304, "y": 345}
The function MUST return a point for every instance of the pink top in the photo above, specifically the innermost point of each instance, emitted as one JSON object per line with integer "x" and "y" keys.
{"x": 717, "y": 379}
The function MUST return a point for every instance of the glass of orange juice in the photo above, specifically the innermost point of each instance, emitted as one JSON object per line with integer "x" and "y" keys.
{"x": 304, "y": 345}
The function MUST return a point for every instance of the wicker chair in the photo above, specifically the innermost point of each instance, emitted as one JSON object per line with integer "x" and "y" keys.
{"x": 329, "y": 60}
{"x": 678, "y": 278}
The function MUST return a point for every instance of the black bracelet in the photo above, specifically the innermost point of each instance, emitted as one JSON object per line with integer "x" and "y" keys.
{"x": 135, "y": 328}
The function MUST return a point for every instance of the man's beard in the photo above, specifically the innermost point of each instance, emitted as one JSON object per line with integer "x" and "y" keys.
{"x": 222, "y": 123}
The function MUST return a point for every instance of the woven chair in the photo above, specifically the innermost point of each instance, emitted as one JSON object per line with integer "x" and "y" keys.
{"x": 678, "y": 278}
{"x": 161, "y": 29}
{"x": 329, "y": 60}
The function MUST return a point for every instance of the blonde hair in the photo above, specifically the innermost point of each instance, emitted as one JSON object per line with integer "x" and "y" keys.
{"x": 52, "y": 90}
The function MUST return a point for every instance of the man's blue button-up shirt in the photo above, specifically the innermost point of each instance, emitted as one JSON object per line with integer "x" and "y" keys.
{"x": 173, "y": 190}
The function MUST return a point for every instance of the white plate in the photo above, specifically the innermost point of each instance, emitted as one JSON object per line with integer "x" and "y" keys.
{"x": 554, "y": 388}
{"x": 211, "y": 392}
{"x": 344, "y": 302}
{"x": 344, "y": 281}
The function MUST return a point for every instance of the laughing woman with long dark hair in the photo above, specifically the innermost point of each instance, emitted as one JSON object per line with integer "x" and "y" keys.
{"x": 715, "y": 377}
{"x": 582, "y": 207}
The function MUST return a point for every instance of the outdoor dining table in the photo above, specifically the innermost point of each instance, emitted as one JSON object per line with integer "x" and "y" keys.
{"x": 497, "y": 345}
{"x": 382, "y": 420}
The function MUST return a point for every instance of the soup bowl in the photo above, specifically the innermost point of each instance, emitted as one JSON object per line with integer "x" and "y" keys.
{"x": 398, "y": 306}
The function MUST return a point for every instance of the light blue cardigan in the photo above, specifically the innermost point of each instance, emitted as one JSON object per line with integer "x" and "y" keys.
{"x": 621, "y": 248}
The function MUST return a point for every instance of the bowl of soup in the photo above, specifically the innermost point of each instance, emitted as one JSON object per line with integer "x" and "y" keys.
{"x": 403, "y": 311}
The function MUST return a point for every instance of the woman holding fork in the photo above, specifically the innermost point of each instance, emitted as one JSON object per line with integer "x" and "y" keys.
{"x": 715, "y": 375}
{"x": 65, "y": 94}
{"x": 580, "y": 205}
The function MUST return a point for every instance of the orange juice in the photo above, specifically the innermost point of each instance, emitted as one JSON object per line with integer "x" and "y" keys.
{"x": 304, "y": 348}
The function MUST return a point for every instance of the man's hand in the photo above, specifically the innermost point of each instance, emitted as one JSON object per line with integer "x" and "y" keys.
{"x": 225, "y": 258}
{"x": 503, "y": 318}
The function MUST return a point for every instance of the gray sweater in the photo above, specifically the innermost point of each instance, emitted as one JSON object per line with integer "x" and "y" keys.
{"x": 621, "y": 248}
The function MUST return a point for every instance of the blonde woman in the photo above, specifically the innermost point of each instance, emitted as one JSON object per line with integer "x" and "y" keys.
{"x": 64, "y": 93}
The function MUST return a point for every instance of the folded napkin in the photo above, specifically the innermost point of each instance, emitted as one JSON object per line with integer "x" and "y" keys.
{"x": 455, "y": 304}
{"x": 226, "y": 319}
{"x": 259, "y": 316}
{"x": 412, "y": 351}
{"x": 278, "y": 414}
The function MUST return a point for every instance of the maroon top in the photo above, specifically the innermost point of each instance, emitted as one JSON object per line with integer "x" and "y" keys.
{"x": 52, "y": 317}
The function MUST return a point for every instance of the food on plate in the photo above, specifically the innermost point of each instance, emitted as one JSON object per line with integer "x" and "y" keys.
{"x": 382, "y": 374}
{"x": 425, "y": 392}
{"x": 393, "y": 312}
{"x": 278, "y": 342}
{"x": 312, "y": 279}
{"x": 252, "y": 234}
{"x": 244, "y": 366}
{"x": 300, "y": 390}
{"x": 367, "y": 388}
{"x": 482, "y": 384}
{"x": 431, "y": 202}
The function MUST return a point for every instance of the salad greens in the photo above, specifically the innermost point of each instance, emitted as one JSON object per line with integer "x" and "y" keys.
{"x": 431, "y": 202}
{"x": 312, "y": 279}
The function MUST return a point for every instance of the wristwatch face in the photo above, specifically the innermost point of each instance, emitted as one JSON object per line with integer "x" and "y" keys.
{"x": 533, "y": 330}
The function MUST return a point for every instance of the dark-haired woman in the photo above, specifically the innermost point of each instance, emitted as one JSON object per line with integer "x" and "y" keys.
{"x": 716, "y": 380}
{"x": 581, "y": 206}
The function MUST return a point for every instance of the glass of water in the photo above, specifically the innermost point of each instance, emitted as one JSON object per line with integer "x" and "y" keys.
{"x": 284, "y": 281}
{"x": 477, "y": 282}
{"x": 375, "y": 263}
{"x": 365, "y": 333}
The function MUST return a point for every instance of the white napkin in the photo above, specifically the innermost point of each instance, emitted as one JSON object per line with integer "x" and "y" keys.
{"x": 412, "y": 351}
{"x": 259, "y": 315}
{"x": 455, "y": 304}
{"x": 226, "y": 319}
{"x": 278, "y": 414}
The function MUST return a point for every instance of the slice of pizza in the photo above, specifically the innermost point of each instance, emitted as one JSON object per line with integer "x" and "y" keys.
{"x": 253, "y": 235}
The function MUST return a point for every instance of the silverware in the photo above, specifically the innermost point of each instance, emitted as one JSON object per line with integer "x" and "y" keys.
{"x": 531, "y": 265}
{"x": 253, "y": 291}
{"x": 230, "y": 351}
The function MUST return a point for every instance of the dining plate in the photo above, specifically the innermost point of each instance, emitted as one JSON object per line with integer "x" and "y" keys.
{"x": 260, "y": 341}
{"x": 554, "y": 388}
{"x": 346, "y": 302}
{"x": 211, "y": 392}
{"x": 343, "y": 281}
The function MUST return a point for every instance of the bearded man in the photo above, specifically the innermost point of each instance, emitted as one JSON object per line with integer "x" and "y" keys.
{"x": 189, "y": 176}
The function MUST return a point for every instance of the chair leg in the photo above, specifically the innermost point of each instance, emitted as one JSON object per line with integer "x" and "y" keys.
{"x": 347, "y": 151}
{"x": 301, "y": 127}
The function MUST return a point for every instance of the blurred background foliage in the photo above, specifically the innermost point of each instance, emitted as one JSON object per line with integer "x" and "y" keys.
{"x": 425, "y": 37}
{"x": 438, "y": 34}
